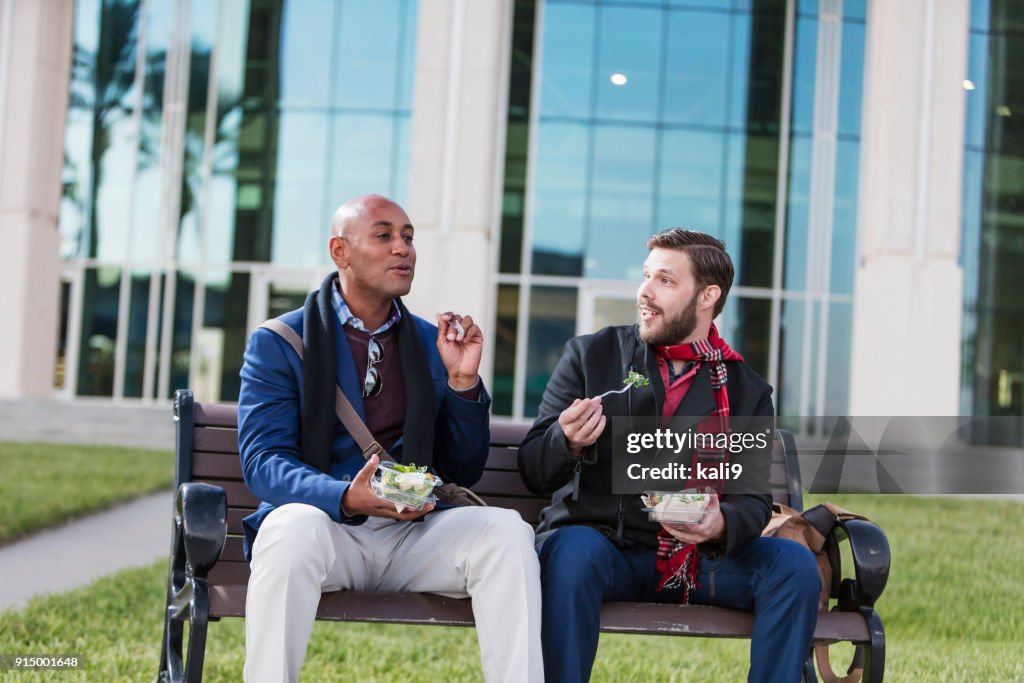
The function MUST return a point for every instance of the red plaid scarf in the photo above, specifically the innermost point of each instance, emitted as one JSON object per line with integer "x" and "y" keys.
{"x": 677, "y": 561}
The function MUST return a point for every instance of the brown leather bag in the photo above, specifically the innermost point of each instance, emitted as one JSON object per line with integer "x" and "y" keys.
{"x": 815, "y": 530}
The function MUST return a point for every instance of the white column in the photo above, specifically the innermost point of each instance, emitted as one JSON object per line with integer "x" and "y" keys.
{"x": 909, "y": 285}
{"x": 35, "y": 65}
{"x": 457, "y": 164}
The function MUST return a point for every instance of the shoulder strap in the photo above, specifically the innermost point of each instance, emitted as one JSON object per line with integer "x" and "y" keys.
{"x": 342, "y": 406}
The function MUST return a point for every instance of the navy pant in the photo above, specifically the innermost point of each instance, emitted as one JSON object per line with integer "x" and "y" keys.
{"x": 580, "y": 569}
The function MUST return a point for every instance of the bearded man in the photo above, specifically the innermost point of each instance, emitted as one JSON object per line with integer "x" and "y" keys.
{"x": 596, "y": 546}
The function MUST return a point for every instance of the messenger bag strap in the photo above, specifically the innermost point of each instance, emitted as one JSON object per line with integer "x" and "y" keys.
{"x": 342, "y": 406}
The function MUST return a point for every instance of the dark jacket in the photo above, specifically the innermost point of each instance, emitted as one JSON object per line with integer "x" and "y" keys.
{"x": 270, "y": 418}
{"x": 590, "y": 365}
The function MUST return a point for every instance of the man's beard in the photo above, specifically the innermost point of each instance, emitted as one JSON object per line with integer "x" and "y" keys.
{"x": 674, "y": 329}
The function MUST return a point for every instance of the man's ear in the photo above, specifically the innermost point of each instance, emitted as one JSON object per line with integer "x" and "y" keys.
{"x": 338, "y": 247}
{"x": 710, "y": 296}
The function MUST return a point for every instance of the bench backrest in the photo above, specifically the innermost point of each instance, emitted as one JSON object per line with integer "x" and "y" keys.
{"x": 207, "y": 451}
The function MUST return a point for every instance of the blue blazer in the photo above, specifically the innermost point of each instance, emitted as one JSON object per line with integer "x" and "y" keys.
{"x": 270, "y": 415}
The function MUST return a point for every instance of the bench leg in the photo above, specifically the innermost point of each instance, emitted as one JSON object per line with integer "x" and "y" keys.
{"x": 191, "y": 604}
{"x": 874, "y": 655}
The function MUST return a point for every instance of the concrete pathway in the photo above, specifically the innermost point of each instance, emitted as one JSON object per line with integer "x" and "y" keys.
{"x": 73, "y": 555}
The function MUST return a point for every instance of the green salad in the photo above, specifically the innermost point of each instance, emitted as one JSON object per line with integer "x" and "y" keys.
{"x": 407, "y": 478}
{"x": 635, "y": 379}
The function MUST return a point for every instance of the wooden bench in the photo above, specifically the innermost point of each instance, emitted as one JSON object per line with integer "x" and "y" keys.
{"x": 208, "y": 573}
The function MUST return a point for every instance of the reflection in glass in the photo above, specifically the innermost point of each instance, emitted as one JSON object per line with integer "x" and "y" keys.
{"x": 60, "y": 367}
{"x": 696, "y": 69}
{"x": 371, "y": 61}
{"x": 568, "y": 45}
{"x": 745, "y": 323}
{"x": 300, "y": 218}
{"x": 304, "y": 53}
{"x": 621, "y": 202}
{"x": 560, "y": 198}
{"x": 629, "y": 45}
{"x": 506, "y": 326}
{"x": 805, "y": 55}
{"x": 99, "y": 332}
{"x": 181, "y": 335}
{"x": 517, "y": 138}
{"x": 138, "y": 320}
{"x": 838, "y": 352}
{"x": 690, "y": 181}
{"x": 799, "y": 204}
{"x": 750, "y": 207}
{"x": 791, "y": 353}
{"x": 552, "y": 323}
{"x": 844, "y": 219}
{"x": 221, "y": 341}
{"x": 851, "y": 78}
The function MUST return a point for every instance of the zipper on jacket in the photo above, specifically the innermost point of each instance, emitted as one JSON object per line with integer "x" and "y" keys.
{"x": 576, "y": 468}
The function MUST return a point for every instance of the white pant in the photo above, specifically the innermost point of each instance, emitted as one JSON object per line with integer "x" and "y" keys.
{"x": 486, "y": 553}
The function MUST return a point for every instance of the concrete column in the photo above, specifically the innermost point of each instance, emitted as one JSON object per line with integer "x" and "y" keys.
{"x": 909, "y": 284}
{"x": 455, "y": 174}
{"x": 35, "y": 65}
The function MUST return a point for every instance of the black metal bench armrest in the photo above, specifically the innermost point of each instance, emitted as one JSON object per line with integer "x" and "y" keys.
{"x": 201, "y": 513}
{"x": 870, "y": 549}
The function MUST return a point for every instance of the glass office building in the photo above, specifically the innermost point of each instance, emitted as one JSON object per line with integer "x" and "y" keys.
{"x": 734, "y": 118}
{"x": 993, "y": 216}
{"x": 207, "y": 144}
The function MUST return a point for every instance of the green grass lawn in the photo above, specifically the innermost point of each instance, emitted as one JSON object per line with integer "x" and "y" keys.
{"x": 953, "y": 611}
{"x": 44, "y": 484}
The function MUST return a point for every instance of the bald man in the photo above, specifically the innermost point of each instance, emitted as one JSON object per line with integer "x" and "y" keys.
{"x": 320, "y": 527}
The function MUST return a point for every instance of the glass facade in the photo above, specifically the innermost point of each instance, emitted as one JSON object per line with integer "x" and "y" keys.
{"x": 993, "y": 215}
{"x": 737, "y": 118}
{"x": 207, "y": 145}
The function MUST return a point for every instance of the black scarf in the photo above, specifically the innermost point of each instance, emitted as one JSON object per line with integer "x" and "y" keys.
{"x": 319, "y": 379}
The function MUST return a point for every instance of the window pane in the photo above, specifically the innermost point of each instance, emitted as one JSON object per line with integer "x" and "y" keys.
{"x": 369, "y": 50}
{"x": 696, "y": 71}
{"x": 630, "y": 47}
{"x": 505, "y": 349}
{"x": 364, "y": 147}
{"x": 568, "y": 51}
{"x": 221, "y": 341}
{"x": 851, "y": 78}
{"x": 750, "y": 207}
{"x": 138, "y": 322}
{"x": 99, "y": 332}
{"x": 745, "y": 324}
{"x": 305, "y": 53}
{"x": 690, "y": 181}
{"x": 844, "y": 218}
{"x": 795, "y": 266}
{"x": 300, "y": 224}
{"x": 621, "y": 202}
{"x": 805, "y": 55}
{"x": 552, "y": 323}
{"x": 838, "y": 354}
{"x": 560, "y": 198}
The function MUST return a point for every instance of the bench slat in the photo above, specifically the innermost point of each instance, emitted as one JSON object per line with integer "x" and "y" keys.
{"x": 616, "y": 617}
{"x": 216, "y": 415}
{"x": 216, "y": 440}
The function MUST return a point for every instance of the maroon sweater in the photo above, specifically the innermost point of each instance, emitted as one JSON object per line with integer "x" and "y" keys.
{"x": 385, "y": 412}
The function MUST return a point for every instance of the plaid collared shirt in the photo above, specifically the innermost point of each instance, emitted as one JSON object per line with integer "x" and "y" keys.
{"x": 346, "y": 317}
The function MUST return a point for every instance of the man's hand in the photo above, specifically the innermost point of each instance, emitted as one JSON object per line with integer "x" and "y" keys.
{"x": 359, "y": 498}
{"x": 582, "y": 423}
{"x": 460, "y": 343}
{"x": 710, "y": 528}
